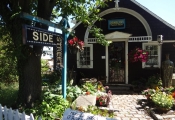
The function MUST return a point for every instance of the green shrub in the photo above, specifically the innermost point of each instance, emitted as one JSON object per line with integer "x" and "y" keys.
{"x": 8, "y": 94}
{"x": 154, "y": 81}
{"x": 51, "y": 107}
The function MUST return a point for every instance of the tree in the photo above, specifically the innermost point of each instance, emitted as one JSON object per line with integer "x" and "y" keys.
{"x": 29, "y": 58}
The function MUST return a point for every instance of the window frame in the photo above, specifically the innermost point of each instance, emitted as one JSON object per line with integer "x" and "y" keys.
{"x": 91, "y": 58}
{"x": 158, "y": 53}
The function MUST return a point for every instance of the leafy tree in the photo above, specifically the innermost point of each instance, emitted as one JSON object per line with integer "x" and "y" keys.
{"x": 29, "y": 58}
{"x": 8, "y": 73}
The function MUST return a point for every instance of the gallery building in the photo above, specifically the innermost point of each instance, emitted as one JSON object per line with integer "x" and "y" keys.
{"x": 128, "y": 25}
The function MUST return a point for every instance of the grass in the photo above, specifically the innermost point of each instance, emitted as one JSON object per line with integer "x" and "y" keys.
{"x": 8, "y": 94}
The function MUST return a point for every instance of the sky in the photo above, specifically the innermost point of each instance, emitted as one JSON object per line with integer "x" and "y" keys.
{"x": 162, "y": 8}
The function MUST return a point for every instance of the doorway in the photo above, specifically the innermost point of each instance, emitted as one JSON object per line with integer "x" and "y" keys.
{"x": 116, "y": 62}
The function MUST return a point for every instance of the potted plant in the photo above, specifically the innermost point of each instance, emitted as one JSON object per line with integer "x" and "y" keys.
{"x": 102, "y": 100}
{"x": 75, "y": 45}
{"x": 163, "y": 102}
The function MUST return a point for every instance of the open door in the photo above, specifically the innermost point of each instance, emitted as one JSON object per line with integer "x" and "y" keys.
{"x": 116, "y": 59}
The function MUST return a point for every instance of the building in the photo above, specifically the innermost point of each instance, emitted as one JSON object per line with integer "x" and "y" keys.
{"x": 128, "y": 25}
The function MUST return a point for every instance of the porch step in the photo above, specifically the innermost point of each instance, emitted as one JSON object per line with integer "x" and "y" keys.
{"x": 121, "y": 89}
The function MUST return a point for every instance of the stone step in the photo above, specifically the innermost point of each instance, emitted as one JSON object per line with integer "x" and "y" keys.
{"x": 121, "y": 89}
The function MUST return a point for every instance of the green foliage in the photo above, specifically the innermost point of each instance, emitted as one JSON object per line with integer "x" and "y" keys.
{"x": 96, "y": 111}
{"x": 154, "y": 81}
{"x": 8, "y": 94}
{"x": 52, "y": 106}
{"x": 89, "y": 87}
{"x": 85, "y": 12}
{"x": 72, "y": 92}
{"x": 8, "y": 63}
{"x": 162, "y": 100}
{"x": 44, "y": 66}
{"x": 49, "y": 77}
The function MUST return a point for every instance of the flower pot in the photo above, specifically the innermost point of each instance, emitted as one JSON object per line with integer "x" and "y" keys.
{"x": 162, "y": 110}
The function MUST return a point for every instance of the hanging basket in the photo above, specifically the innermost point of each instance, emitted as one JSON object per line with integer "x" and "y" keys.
{"x": 73, "y": 50}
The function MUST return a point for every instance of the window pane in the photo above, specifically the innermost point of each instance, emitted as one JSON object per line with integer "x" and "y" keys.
{"x": 85, "y": 56}
{"x": 153, "y": 54}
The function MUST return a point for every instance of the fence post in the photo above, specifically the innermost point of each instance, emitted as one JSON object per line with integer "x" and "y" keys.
{"x": 5, "y": 113}
{"x": 31, "y": 117}
{"x": 39, "y": 118}
{"x": 0, "y": 112}
{"x": 10, "y": 114}
{"x": 23, "y": 116}
{"x": 16, "y": 116}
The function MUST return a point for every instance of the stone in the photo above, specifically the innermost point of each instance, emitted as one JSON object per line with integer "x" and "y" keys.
{"x": 85, "y": 100}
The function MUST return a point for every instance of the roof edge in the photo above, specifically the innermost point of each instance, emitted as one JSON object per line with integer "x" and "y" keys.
{"x": 153, "y": 14}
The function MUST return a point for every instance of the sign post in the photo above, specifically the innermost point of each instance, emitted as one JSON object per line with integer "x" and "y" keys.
{"x": 46, "y": 38}
{"x": 64, "y": 69}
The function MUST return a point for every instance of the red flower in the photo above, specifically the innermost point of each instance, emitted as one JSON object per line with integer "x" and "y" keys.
{"x": 75, "y": 43}
{"x": 173, "y": 95}
{"x": 75, "y": 39}
{"x": 71, "y": 42}
{"x": 97, "y": 98}
{"x": 101, "y": 103}
{"x": 87, "y": 93}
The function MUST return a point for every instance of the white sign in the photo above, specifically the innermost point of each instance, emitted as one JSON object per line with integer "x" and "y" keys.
{"x": 70, "y": 114}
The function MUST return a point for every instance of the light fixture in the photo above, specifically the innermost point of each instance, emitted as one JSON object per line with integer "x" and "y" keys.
{"x": 160, "y": 39}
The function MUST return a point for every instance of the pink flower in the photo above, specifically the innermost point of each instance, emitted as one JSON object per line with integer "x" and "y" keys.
{"x": 81, "y": 43}
{"x": 138, "y": 55}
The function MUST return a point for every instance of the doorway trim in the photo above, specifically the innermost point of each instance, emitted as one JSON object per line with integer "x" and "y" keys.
{"x": 117, "y": 37}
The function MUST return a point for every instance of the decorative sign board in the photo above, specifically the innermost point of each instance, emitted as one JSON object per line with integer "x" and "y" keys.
{"x": 70, "y": 114}
{"x": 37, "y": 36}
{"x": 115, "y": 24}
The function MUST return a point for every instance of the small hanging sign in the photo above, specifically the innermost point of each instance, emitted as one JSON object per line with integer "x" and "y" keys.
{"x": 116, "y": 24}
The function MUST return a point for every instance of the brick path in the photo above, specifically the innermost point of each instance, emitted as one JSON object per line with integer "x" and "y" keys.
{"x": 126, "y": 107}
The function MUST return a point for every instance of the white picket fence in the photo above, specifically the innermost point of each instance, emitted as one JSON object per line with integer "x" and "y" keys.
{"x": 9, "y": 114}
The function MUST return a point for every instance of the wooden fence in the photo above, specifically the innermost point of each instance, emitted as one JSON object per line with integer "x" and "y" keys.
{"x": 9, "y": 114}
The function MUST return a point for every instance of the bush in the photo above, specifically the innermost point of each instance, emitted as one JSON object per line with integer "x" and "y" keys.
{"x": 154, "y": 81}
{"x": 51, "y": 107}
{"x": 8, "y": 94}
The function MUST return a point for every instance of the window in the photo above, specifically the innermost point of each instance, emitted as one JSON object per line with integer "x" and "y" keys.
{"x": 154, "y": 55}
{"x": 85, "y": 58}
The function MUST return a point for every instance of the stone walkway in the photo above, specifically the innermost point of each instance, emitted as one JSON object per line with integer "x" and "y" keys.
{"x": 126, "y": 107}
